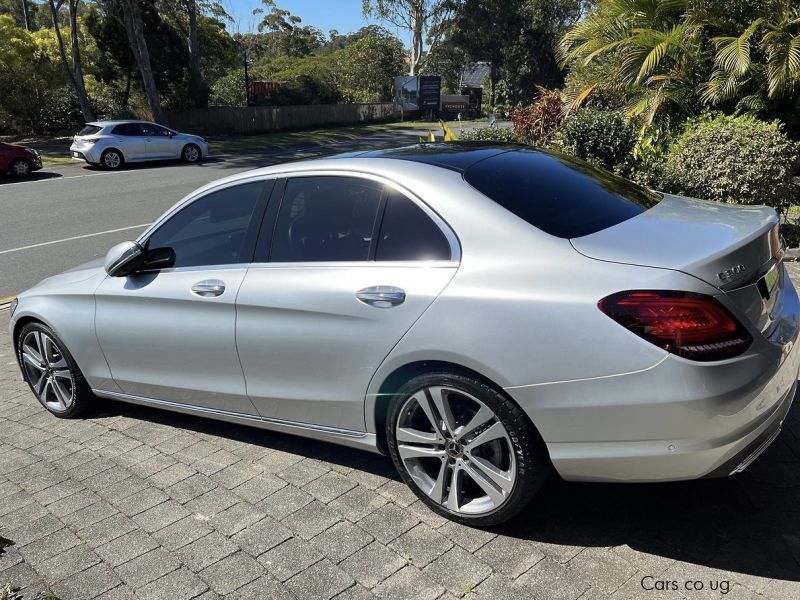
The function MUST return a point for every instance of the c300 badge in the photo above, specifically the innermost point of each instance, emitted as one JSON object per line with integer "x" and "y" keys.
{"x": 732, "y": 273}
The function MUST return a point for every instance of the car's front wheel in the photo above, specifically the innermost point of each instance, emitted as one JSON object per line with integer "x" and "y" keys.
{"x": 464, "y": 448}
{"x": 20, "y": 168}
{"x": 51, "y": 372}
{"x": 191, "y": 153}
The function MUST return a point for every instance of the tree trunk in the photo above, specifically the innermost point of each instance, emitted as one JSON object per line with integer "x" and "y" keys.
{"x": 200, "y": 93}
{"x": 83, "y": 97}
{"x": 418, "y": 19}
{"x": 25, "y": 15}
{"x": 127, "y": 94}
{"x": 76, "y": 77}
{"x": 132, "y": 16}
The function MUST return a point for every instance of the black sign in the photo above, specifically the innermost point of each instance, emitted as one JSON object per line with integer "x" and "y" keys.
{"x": 430, "y": 92}
{"x": 475, "y": 100}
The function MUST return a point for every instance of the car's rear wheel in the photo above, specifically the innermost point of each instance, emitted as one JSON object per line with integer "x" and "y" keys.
{"x": 20, "y": 168}
{"x": 112, "y": 159}
{"x": 464, "y": 448}
{"x": 51, "y": 372}
{"x": 191, "y": 153}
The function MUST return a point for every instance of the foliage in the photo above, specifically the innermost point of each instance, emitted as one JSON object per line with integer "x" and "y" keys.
{"x": 423, "y": 18}
{"x": 290, "y": 37}
{"x": 489, "y": 134}
{"x": 672, "y": 58}
{"x": 366, "y": 69}
{"x": 734, "y": 159}
{"x": 602, "y": 137}
{"x": 537, "y": 124}
{"x": 517, "y": 39}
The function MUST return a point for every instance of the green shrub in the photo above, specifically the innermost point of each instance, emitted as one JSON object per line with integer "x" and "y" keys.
{"x": 602, "y": 137}
{"x": 734, "y": 159}
{"x": 489, "y": 134}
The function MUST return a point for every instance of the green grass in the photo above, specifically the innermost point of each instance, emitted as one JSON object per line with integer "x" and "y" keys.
{"x": 55, "y": 159}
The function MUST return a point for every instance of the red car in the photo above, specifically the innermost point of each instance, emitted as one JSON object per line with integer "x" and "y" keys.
{"x": 18, "y": 160}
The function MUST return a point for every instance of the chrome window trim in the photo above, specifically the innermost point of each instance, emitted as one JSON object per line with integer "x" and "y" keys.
{"x": 452, "y": 238}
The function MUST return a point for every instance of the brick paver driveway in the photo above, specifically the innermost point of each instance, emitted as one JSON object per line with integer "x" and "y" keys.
{"x": 138, "y": 503}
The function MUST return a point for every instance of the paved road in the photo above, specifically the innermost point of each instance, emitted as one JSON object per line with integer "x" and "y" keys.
{"x": 93, "y": 209}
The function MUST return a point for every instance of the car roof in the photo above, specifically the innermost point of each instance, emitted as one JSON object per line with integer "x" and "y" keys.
{"x": 118, "y": 122}
{"x": 456, "y": 156}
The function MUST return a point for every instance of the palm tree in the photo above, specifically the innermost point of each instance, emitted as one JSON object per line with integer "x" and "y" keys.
{"x": 762, "y": 62}
{"x": 649, "y": 48}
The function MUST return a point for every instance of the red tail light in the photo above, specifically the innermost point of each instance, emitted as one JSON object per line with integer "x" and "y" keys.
{"x": 694, "y": 326}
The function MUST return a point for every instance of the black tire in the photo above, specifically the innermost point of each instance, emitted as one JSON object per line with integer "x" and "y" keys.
{"x": 82, "y": 397}
{"x": 107, "y": 159}
{"x": 20, "y": 168}
{"x": 191, "y": 153}
{"x": 533, "y": 464}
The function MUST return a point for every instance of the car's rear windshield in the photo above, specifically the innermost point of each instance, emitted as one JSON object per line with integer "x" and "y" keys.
{"x": 562, "y": 196}
{"x": 89, "y": 130}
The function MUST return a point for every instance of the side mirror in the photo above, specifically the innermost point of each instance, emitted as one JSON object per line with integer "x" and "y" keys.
{"x": 129, "y": 257}
{"x": 123, "y": 259}
{"x": 158, "y": 258}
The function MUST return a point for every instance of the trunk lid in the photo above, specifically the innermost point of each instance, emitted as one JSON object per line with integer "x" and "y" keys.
{"x": 730, "y": 247}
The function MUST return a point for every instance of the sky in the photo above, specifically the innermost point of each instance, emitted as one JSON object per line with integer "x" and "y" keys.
{"x": 343, "y": 15}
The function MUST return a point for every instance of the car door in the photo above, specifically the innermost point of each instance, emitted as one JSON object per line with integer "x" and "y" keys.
{"x": 160, "y": 142}
{"x": 130, "y": 139}
{"x": 324, "y": 303}
{"x": 170, "y": 334}
{"x": 5, "y": 158}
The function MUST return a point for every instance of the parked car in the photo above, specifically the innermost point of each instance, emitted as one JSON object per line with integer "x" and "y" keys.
{"x": 111, "y": 144}
{"x": 18, "y": 161}
{"x": 479, "y": 313}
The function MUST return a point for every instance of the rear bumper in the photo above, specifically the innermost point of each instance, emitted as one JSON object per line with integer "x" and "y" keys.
{"x": 676, "y": 420}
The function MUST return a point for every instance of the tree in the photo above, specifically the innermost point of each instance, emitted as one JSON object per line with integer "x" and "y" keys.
{"x": 75, "y": 71}
{"x": 516, "y": 37}
{"x": 185, "y": 17}
{"x": 670, "y": 59}
{"x": 367, "y": 68}
{"x": 132, "y": 19}
{"x": 420, "y": 17}
{"x": 764, "y": 59}
{"x": 652, "y": 50}
{"x": 290, "y": 37}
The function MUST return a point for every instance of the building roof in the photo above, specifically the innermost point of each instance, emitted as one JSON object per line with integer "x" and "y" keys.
{"x": 475, "y": 74}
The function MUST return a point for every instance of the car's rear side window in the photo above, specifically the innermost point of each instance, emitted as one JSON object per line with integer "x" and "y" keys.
{"x": 407, "y": 233}
{"x": 89, "y": 130}
{"x": 129, "y": 129}
{"x": 326, "y": 219}
{"x": 561, "y": 196}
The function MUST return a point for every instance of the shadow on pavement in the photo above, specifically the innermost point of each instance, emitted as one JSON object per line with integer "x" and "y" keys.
{"x": 35, "y": 176}
{"x": 748, "y": 524}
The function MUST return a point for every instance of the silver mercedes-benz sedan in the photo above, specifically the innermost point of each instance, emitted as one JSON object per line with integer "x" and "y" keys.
{"x": 479, "y": 313}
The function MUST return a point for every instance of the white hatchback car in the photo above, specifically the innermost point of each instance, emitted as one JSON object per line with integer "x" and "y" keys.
{"x": 113, "y": 143}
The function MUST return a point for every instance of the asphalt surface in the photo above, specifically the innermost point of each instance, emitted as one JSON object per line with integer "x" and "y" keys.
{"x": 67, "y": 215}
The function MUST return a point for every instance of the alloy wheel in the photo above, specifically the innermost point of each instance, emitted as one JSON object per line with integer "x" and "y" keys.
{"x": 112, "y": 160}
{"x": 21, "y": 168}
{"x": 191, "y": 154}
{"x": 456, "y": 450}
{"x": 47, "y": 371}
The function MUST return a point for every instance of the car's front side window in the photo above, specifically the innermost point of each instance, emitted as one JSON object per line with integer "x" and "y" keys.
{"x": 326, "y": 219}
{"x": 217, "y": 229}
